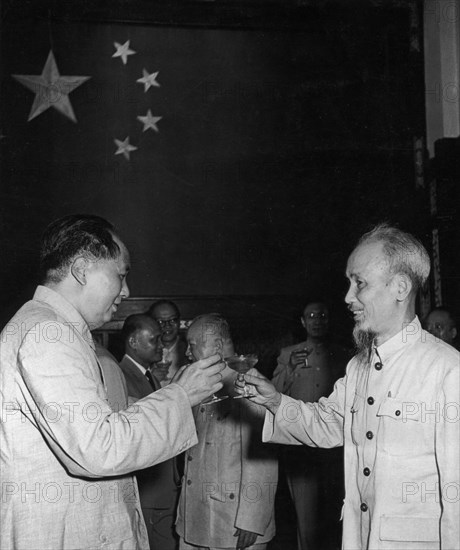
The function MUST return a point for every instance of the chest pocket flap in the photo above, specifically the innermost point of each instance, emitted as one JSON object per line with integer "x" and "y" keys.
{"x": 400, "y": 410}
{"x": 401, "y": 431}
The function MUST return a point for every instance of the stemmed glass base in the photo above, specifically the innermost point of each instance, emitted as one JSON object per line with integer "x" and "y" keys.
{"x": 214, "y": 399}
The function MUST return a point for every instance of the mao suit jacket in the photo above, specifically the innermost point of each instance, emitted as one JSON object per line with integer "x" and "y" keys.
{"x": 66, "y": 457}
{"x": 117, "y": 391}
{"x": 158, "y": 485}
{"x": 230, "y": 477}
{"x": 397, "y": 417}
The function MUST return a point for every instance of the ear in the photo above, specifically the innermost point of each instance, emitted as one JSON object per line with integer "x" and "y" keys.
{"x": 403, "y": 286}
{"x": 219, "y": 343}
{"x": 78, "y": 270}
{"x": 132, "y": 341}
{"x": 302, "y": 320}
{"x": 453, "y": 331}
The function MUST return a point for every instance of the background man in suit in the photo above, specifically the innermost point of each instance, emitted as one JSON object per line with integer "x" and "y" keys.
{"x": 228, "y": 495}
{"x": 167, "y": 315}
{"x": 158, "y": 485}
{"x": 307, "y": 371}
{"x": 58, "y": 430}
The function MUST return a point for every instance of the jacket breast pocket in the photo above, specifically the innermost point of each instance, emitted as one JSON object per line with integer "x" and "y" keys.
{"x": 409, "y": 529}
{"x": 402, "y": 431}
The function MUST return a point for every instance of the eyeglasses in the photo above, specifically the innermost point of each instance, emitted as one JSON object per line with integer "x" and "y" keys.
{"x": 164, "y": 322}
{"x": 317, "y": 315}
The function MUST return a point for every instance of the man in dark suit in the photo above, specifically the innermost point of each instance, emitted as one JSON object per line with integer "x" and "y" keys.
{"x": 159, "y": 485}
{"x": 167, "y": 315}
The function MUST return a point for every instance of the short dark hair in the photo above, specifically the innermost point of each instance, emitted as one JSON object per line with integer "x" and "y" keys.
{"x": 133, "y": 323}
{"x": 163, "y": 303}
{"x": 73, "y": 235}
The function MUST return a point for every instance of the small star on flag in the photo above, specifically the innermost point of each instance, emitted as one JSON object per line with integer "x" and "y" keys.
{"x": 148, "y": 80}
{"x": 51, "y": 89}
{"x": 123, "y": 51}
{"x": 124, "y": 147}
{"x": 149, "y": 121}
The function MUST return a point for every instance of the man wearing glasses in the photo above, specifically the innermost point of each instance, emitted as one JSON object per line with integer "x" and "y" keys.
{"x": 167, "y": 315}
{"x": 307, "y": 371}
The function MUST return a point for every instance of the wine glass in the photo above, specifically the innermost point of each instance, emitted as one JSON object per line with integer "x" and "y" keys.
{"x": 214, "y": 398}
{"x": 241, "y": 364}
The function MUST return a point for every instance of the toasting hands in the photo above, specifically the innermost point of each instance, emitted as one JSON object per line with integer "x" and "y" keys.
{"x": 201, "y": 379}
{"x": 262, "y": 391}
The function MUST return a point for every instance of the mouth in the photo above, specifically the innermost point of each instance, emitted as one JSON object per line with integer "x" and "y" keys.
{"x": 358, "y": 314}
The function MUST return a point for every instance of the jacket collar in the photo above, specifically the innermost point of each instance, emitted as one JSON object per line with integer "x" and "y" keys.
{"x": 410, "y": 333}
{"x": 66, "y": 309}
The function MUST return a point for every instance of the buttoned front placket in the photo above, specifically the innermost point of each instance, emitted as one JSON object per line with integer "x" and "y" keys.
{"x": 371, "y": 391}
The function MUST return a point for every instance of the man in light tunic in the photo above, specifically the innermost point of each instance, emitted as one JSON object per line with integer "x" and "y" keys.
{"x": 65, "y": 454}
{"x": 396, "y": 411}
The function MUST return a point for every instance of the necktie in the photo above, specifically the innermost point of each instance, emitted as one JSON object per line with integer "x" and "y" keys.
{"x": 149, "y": 377}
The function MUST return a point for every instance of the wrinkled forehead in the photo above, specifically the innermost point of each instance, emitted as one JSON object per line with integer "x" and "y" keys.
{"x": 203, "y": 331}
{"x": 365, "y": 258}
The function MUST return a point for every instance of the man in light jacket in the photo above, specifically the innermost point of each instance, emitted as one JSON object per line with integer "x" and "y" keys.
{"x": 66, "y": 456}
{"x": 396, "y": 411}
{"x": 228, "y": 492}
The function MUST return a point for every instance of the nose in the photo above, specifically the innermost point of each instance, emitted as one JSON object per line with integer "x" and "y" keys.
{"x": 124, "y": 290}
{"x": 350, "y": 296}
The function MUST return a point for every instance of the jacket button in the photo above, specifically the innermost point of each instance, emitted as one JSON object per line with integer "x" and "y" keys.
{"x": 378, "y": 366}
{"x": 370, "y": 400}
{"x": 231, "y": 496}
{"x": 189, "y": 481}
{"x": 369, "y": 435}
{"x": 202, "y": 409}
{"x": 363, "y": 507}
{"x": 366, "y": 472}
{"x": 189, "y": 458}
{"x": 397, "y": 413}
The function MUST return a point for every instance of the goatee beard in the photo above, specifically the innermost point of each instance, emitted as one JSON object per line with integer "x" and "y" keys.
{"x": 363, "y": 344}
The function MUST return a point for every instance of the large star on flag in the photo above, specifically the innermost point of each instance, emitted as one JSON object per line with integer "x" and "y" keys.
{"x": 51, "y": 89}
{"x": 148, "y": 80}
{"x": 123, "y": 51}
{"x": 149, "y": 121}
{"x": 124, "y": 147}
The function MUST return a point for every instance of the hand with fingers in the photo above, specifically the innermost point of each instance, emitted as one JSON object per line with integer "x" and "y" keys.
{"x": 262, "y": 391}
{"x": 201, "y": 379}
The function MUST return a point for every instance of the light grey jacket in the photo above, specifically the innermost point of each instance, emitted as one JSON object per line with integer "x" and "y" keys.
{"x": 65, "y": 455}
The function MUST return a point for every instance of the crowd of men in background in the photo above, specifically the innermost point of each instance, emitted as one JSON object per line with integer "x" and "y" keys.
{"x": 205, "y": 478}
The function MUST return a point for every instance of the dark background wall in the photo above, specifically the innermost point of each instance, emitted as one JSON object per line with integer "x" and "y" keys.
{"x": 281, "y": 141}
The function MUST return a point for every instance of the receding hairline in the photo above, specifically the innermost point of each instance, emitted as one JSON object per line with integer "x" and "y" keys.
{"x": 161, "y": 303}
{"x": 403, "y": 252}
{"x": 214, "y": 319}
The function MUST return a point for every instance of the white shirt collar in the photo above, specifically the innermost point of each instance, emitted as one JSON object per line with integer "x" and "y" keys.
{"x": 138, "y": 365}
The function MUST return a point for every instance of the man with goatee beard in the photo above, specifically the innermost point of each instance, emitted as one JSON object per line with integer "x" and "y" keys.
{"x": 396, "y": 410}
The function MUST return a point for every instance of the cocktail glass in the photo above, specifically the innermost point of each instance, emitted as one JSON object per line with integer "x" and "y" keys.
{"x": 241, "y": 364}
